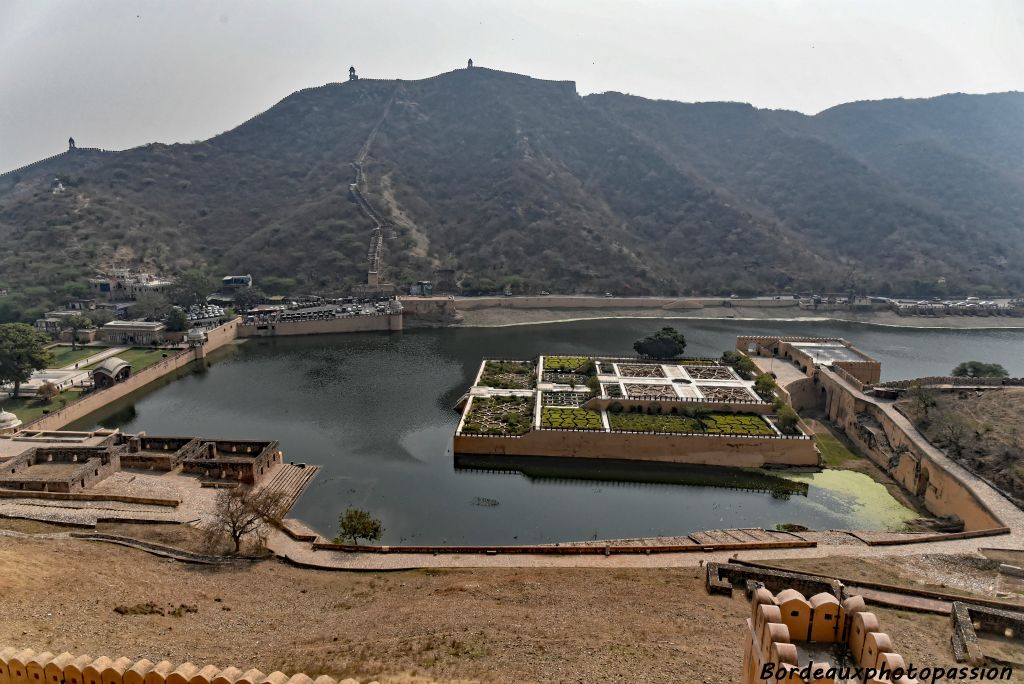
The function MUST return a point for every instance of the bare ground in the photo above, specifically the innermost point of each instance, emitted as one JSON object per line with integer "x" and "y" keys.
{"x": 494, "y": 625}
{"x": 498, "y": 316}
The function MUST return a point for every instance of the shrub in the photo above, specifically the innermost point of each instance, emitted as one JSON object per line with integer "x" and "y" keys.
{"x": 570, "y": 418}
{"x": 787, "y": 419}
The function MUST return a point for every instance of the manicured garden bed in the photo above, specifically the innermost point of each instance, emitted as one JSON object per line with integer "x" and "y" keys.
{"x": 564, "y": 378}
{"x": 570, "y": 418}
{"x": 612, "y": 390}
{"x": 509, "y": 374}
{"x": 564, "y": 363}
{"x": 713, "y": 424}
{"x": 564, "y": 399}
{"x": 499, "y": 416}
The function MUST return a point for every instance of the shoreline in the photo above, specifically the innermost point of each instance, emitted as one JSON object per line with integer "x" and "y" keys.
{"x": 503, "y": 317}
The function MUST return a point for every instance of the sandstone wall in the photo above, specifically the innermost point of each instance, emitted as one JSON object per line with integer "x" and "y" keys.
{"x": 875, "y": 434}
{"x": 76, "y": 410}
{"x": 732, "y": 451}
{"x": 326, "y": 326}
{"x": 584, "y": 302}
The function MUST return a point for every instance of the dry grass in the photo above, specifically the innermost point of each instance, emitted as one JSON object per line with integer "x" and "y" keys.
{"x": 500, "y": 625}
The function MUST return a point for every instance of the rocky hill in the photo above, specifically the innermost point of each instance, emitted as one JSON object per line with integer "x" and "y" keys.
{"x": 509, "y": 180}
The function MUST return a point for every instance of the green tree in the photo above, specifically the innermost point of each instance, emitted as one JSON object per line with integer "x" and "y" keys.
{"x": 741, "y": 363}
{"x": 248, "y": 297}
{"x": 765, "y": 385}
{"x": 667, "y": 343}
{"x": 151, "y": 305}
{"x": 979, "y": 369}
{"x": 177, "y": 319}
{"x": 22, "y": 350}
{"x": 787, "y": 419}
{"x": 191, "y": 288}
{"x": 355, "y": 524}
{"x": 74, "y": 324}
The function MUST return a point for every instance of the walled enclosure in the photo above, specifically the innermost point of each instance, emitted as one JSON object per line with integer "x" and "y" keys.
{"x": 80, "y": 408}
{"x": 875, "y": 434}
{"x": 61, "y": 469}
{"x": 838, "y": 388}
{"x": 25, "y": 666}
{"x": 784, "y": 627}
{"x": 242, "y": 460}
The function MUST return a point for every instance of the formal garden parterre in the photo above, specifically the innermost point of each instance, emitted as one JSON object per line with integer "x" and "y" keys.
{"x": 686, "y": 399}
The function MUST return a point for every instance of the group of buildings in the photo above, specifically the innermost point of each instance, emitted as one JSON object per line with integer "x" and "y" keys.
{"x": 70, "y": 462}
{"x": 112, "y": 310}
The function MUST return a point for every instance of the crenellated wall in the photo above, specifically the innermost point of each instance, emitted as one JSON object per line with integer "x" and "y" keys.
{"x": 25, "y": 666}
{"x": 779, "y": 622}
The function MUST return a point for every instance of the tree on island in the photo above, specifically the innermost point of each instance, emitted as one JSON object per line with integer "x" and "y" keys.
{"x": 979, "y": 369}
{"x": 667, "y": 343}
{"x": 355, "y": 524}
{"x": 74, "y": 324}
{"x": 787, "y": 420}
{"x": 22, "y": 351}
{"x": 243, "y": 511}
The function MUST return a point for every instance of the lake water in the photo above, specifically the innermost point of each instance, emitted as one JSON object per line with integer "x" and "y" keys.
{"x": 375, "y": 410}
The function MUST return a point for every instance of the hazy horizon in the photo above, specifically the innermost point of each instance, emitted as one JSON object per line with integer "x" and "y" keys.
{"x": 117, "y": 75}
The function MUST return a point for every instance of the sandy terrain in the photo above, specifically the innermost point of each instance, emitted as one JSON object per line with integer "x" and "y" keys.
{"x": 494, "y": 317}
{"x": 494, "y": 625}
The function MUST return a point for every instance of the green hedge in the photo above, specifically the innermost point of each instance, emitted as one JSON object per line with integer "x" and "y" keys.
{"x": 570, "y": 418}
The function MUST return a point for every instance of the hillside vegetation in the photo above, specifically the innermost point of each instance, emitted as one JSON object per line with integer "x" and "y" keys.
{"x": 513, "y": 181}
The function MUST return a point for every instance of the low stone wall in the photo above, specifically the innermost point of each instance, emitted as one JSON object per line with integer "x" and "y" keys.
{"x": 875, "y": 434}
{"x": 76, "y": 410}
{"x": 326, "y": 326}
{"x": 953, "y": 381}
{"x": 729, "y": 451}
{"x": 584, "y": 302}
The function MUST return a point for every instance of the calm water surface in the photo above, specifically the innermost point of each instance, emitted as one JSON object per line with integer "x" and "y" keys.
{"x": 375, "y": 410}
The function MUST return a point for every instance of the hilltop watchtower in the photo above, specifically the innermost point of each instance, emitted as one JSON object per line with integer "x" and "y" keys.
{"x": 469, "y": 64}
{"x": 352, "y": 74}
{"x": 71, "y": 143}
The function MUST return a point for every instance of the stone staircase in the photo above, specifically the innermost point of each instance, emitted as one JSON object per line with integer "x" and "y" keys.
{"x": 290, "y": 481}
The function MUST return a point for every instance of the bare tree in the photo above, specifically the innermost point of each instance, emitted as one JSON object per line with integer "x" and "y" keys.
{"x": 244, "y": 511}
{"x": 923, "y": 399}
{"x": 954, "y": 430}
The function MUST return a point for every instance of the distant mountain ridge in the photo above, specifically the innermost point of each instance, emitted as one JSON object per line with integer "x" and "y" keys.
{"x": 507, "y": 180}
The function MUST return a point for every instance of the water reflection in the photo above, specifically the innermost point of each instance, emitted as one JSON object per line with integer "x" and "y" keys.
{"x": 375, "y": 411}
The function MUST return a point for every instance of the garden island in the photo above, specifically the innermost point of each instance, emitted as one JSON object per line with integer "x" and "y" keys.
{"x": 681, "y": 410}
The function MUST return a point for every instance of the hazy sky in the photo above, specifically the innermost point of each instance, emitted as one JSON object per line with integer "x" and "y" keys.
{"x": 119, "y": 74}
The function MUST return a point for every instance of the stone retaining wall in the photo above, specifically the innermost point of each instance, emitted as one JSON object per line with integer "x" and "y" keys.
{"x": 731, "y": 451}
